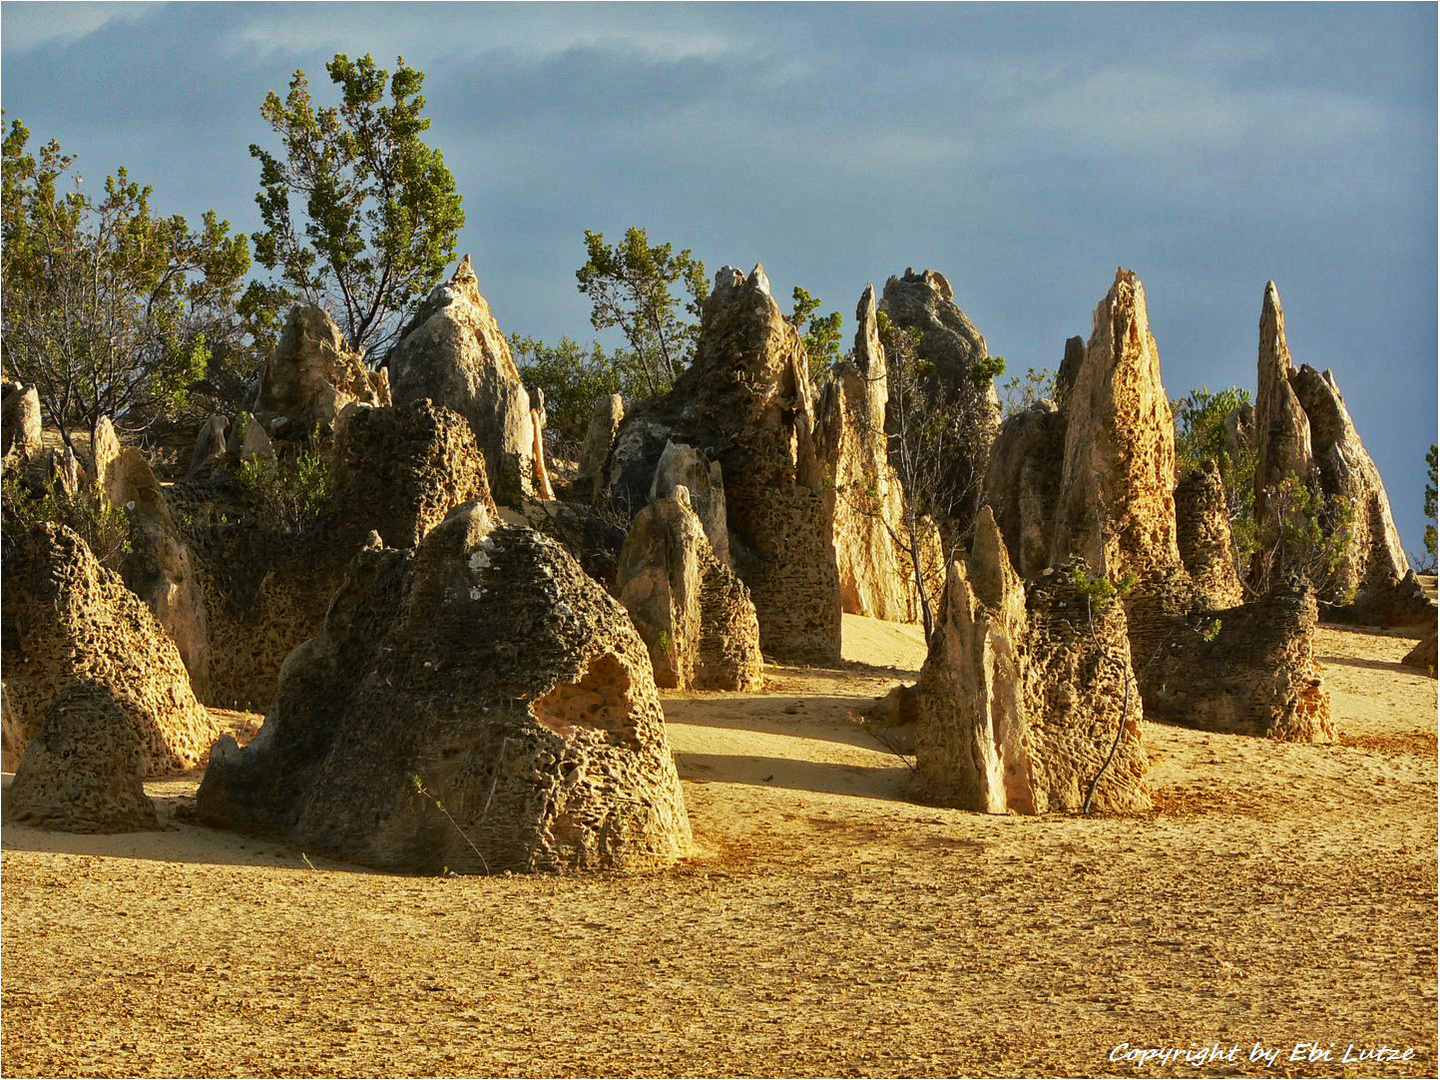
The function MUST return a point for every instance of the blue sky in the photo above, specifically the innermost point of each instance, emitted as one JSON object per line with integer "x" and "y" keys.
{"x": 1023, "y": 150}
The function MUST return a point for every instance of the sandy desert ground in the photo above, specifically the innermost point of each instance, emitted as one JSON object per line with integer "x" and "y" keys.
{"x": 1278, "y": 895}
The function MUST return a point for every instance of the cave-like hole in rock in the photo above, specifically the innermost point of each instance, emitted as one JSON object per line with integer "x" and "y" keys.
{"x": 600, "y": 700}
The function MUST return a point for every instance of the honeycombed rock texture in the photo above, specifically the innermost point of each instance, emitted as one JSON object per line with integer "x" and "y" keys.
{"x": 454, "y": 353}
{"x": 491, "y": 672}
{"x": 1023, "y": 693}
{"x": 69, "y": 620}
{"x": 84, "y": 769}
{"x": 1305, "y": 431}
{"x": 1116, "y": 507}
{"x": 1202, "y": 533}
{"x": 400, "y": 470}
{"x": 1248, "y": 669}
{"x": 747, "y": 402}
{"x": 694, "y": 615}
{"x": 876, "y": 570}
{"x": 311, "y": 375}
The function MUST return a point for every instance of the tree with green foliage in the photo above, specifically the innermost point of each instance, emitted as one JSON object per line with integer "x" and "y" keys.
{"x": 821, "y": 336}
{"x": 360, "y": 215}
{"x": 1200, "y": 436}
{"x": 1430, "y": 489}
{"x": 571, "y": 378}
{"x": 630, "y": 286}
{"x": 108, "y": 309}
{"x": 1019, "y": 392}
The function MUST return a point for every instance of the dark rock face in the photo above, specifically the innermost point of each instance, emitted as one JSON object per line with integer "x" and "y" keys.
{"x": 84, "y": 771}
{"x": 69, "y": 620}
{"x": 1024, "y": 692}
{"x": 1247, "y": 669}
{"x": 746, "y": 401}
{"x": 1022, "y": 484}
{"x": 487, "y": 670}
{"x": 1423, "y": 654}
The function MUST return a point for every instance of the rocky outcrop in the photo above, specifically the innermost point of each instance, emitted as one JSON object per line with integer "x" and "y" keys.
{"x": 209, "y": 445}
{"x": 1202, "y": 533}
{"x": 599, "y": 438}
{"x": 685, "y": 466}
{"x": 953, "y": 349}
{"x": 872, "y": 549}
{"x": 1305, "y": 436}
{"x": 399, "y": 471}
{"x": 160, "y": 568}
{"x": 486, "y": 673}
{"x": 311, "y": 375}
{"x": 68, "y": 620}
{"x": 747, "y": 402}
{"x": 1022, "y": 484}
{"x": 1116, "y": 507}
{"x": 1246, "y": 669}
{"x": 84, "y": 769}
{"x": 1024, "y": 692}
{"x": 20, "y": 425}
{"x": 454, "y": 353}
{"x": 695, "y": 617}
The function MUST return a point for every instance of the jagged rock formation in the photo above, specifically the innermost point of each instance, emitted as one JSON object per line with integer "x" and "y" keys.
{"x": 1023, "y": 693}
{"x": 399, "y": 471}
{"x": 486, "y": 671}
{"x": 684, "y": 466}
{"x": 159, "y": 567}
{"x": 1247, "y": 669}
{"x": 877, "y": 576}
{"x": 925, "y": 302}
{"x": 84, "y": 769}
{"x": 1305, "y": 431}
{"x": 209, "y": 445}
{"x": 311, "y": 375}
{"x": 599, "y": 438}
{"x": 1022, "y": 484}
{"x": 69, "y": 620}
{"x": 747, "y": 402}
{"x": 694, "y": 615}
{"x": 20, "y": 425}
{"x": 1202, "y": 533}
{"x": 454, "y": 353}
{"x": 1116, "y": 507}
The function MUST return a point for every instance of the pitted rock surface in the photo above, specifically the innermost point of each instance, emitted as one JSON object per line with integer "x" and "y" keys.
{"x": 1202, "y": 533}
{"x": 1022, "y": 484}
{"x": 505, "y": 683}
{"x": 84, "y": 769}
{"x": 1248, "y": 669}
{"x": 1116, "y": 507}
{"x": 69, "y": 620}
